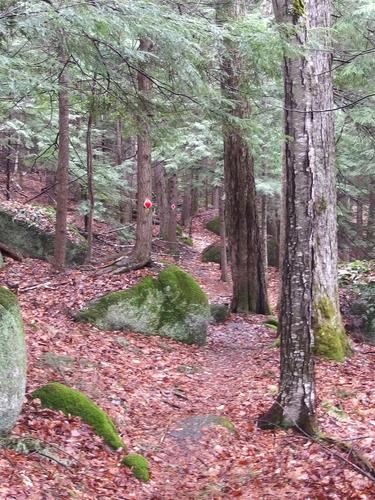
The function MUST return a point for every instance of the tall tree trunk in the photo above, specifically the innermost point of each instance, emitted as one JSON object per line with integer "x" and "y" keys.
{"x": 223, "y": 237}
{"x": 248, "y": 274}
{"x": 172, "y": 204}
{"x": 141, "y": 254}
{"x": 330, "y": 337}
{"x": 162, "y": 199}
{"x": 186, "y": 202}
{"x": 264, "y": 236}
{"x": 90, "y": 187}
{"x": 370, "y": 228}
{"x": 62, "y": 173}
{"x": 295, "y": 404}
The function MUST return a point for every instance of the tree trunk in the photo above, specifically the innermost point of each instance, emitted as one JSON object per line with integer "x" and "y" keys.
{"x": 295, "y": 404}
{"x": 90, "y": 188}
{"x": 162, "y": 199}
{"x": 172, "y": 204}
{"x": 370, "y": 228}
{"x": 141, "y": 254}
{"x": 223, "y": 237}
{"x": 249, "y": 284}
{"x": 186, "y": 203}
{"x": 62, "y": 173}
{"x": 330, "y": 337}
{"x": 263, "y": 227}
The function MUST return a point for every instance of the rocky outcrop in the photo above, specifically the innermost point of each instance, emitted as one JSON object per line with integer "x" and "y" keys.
{"x": 12, "y": 361}
{"x": 29, "y": 230}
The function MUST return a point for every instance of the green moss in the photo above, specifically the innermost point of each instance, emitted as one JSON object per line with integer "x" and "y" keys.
{"x": 213, "y": 225}
{"x": 186, "y": 240}
{"x": 71, "y": 402}
{"x": 272, "y": 323}
{"x": 321, "y": 206}
{"x": 8, "y": 300}
{"x": 276, "y": 342}
{"x": 138, "y": 465}
{"x": 298, "y": 8}
{"x": 219, "y": 312}
{"x": 179, "y": 230}
{"x": 212, "y": 253}
{"x": 227, "y": 424}
{"x": 330, "y": 338}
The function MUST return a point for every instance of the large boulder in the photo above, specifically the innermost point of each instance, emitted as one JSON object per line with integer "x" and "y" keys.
{"x": 213, "y": 225}
{"x": 12, "y": 361}
{"x": 172, "y": 305}
{"x": 362, "y": 311}
{"x": 29, "y": 229}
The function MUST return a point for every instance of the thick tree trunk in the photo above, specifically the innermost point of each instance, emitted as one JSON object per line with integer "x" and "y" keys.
{"x": 141, "y": 254}
{"x": 223, "y": 237}
{"x": 330, "y": 338}
{"x": 90, "y": 188}
{"x": 248, "y": 274}
{"x": 62, "y": 173}
{"x": 295, "y": 404}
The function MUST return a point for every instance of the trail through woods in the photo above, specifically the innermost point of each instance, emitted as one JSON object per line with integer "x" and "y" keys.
{"x": 164, "y": 398}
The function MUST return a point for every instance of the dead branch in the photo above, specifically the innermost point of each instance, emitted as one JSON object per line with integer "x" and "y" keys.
{"x": 28, "y": 445}
{"x": 12, "y": 253}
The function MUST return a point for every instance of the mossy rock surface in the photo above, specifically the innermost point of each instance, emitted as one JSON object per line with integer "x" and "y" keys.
{"x": 213, "y": 225}
{"x": 138, "y": 465}
{"x": 219, "y": 312}
{"x": 172, "y": 305}
{"x": 363, "y": 310}
{"x": 212, "y": 253}
{"x": 2, "y": 263}
{"x": 71, "y": 402}
{"x": 12, "y": 361}
{"x": 30, "y": 229}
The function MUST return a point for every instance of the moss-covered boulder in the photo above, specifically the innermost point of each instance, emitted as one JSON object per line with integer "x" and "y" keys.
{"x": 29, "y": 230}
{"x": 71, "y": 402}
{"x": 138, "y": 465}
{"x": 219, "y": 312}
{"x": 213, "y": 225}
{"x": 172, "y": 305}
{"x": 12, "y": 361}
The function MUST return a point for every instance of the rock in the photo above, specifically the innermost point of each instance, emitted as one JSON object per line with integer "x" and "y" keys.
{"x": 363, "y": 311}
{"x": 219, "y": 312}
{"x": 172, "y": 305}
{"x": 71, "y": 402}
{"x": 30, "y": 230}
{"x": 213, "y": 225}
{"x": 2, "y": 263}
{"x": 212, "y": 253}
{"x": 191, "y": 427}
{"x": 12, "y": 361}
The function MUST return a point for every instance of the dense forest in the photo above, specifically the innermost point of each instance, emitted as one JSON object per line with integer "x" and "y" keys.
{"x": 187, "y": 249}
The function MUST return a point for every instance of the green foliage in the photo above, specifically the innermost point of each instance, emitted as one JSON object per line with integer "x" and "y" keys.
{"x": 138, "y": 465}
{"x": 71, "y": 402}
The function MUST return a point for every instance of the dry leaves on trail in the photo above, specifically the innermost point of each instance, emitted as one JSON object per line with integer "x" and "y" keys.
{"x": 150, "y": 386}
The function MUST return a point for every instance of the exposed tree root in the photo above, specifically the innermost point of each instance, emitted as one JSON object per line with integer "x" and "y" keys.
{"x": 127, "y": 264}
{"x": 12, "y": 253}
{"x": 28, "y": 445}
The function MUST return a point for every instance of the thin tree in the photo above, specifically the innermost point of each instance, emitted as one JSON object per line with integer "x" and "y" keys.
{"x": 62, "y": 173}
{"x": 248, "y": 273}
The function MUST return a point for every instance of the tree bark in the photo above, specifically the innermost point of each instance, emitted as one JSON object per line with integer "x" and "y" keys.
{"x": 172, "y": 204}
{"x": 162, "y": 199}
{"x": 223, "y": 237}
{"x": 141, "y": 253}
{"x": 90, "y": 187}
{"x": 248, "y": 274}
{"x": 370, "y": 228}
{"x": 295, "y": 404}
{"x": 62, "y": 173}
{"x": 186, "y": 202}
{"x": 330, "y": 338}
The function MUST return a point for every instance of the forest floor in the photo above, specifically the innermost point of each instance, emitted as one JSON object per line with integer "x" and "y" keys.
{"x": 158, "y": 391}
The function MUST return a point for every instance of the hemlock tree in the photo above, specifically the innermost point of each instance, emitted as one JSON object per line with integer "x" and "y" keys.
{"x": 248, "y": 273}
